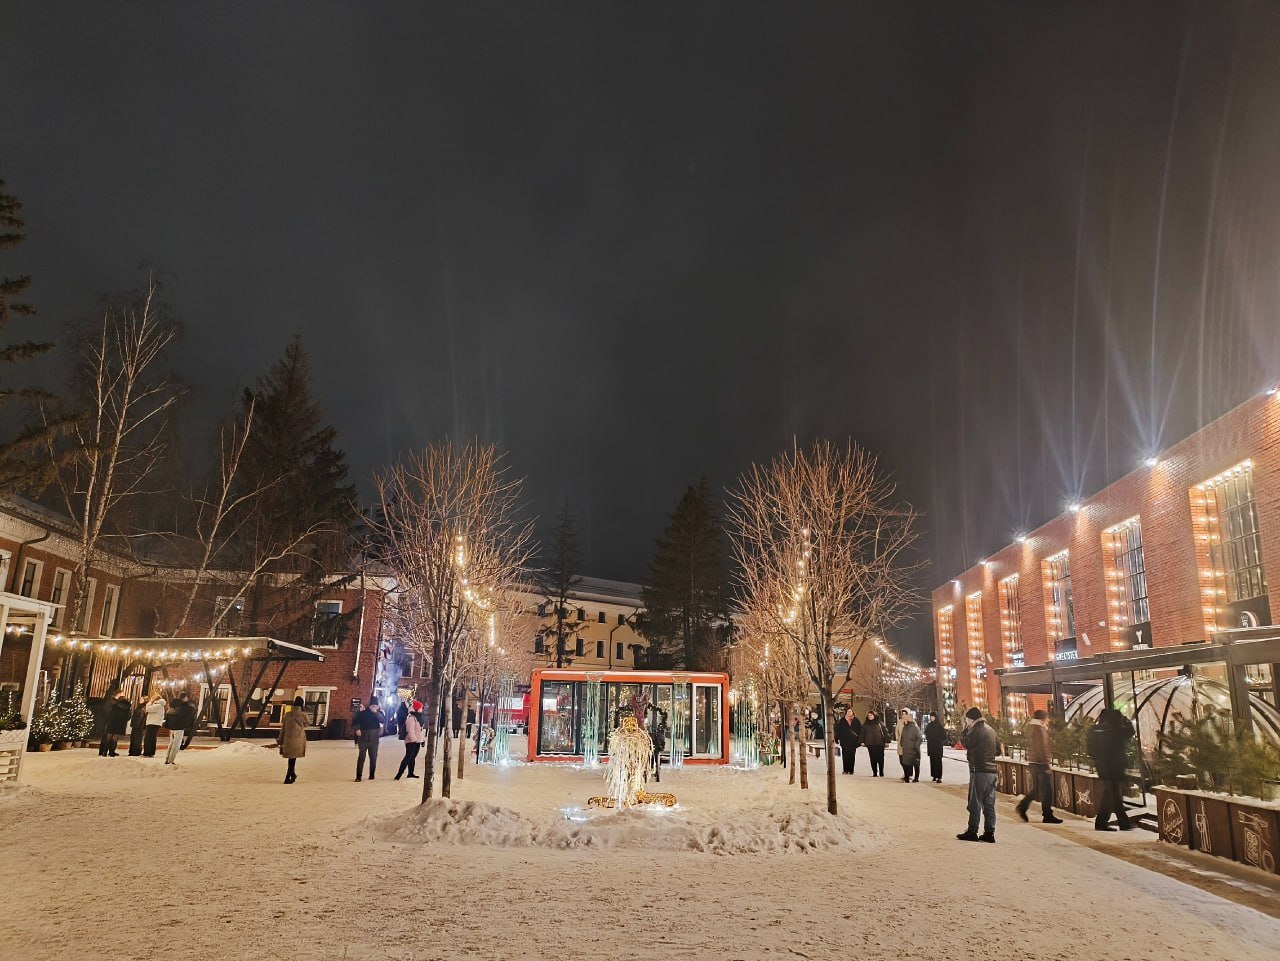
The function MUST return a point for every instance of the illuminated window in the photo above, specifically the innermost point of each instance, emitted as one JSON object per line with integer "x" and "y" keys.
{"x": 1011, "y": 622}
{"x": 1128, "y": 572}
{"x": 946, "y": 661}
{"x": 1062, "y": 614}
{"x": 1235, "y": 543}
{"x": 977, "y": 651}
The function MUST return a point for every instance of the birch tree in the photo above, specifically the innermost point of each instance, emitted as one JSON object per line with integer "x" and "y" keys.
{"x": 453, "y": 536}
{"x": 825, "y": 557}
{"x": 119, "y": 434}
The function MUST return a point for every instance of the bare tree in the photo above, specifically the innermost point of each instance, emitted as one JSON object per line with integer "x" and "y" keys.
{"x": 450, "y": 522}
{"x": 784, "y": 685}
{"x": 825, "y": 561}
{"x": 120, "y": 435}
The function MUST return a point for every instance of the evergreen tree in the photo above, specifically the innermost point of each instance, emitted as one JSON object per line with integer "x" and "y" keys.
{"x": 24, "y": 464}
{"x": 686, "y": 618}
{"x": 301, "y": 522}
{"x": 556, "y": 583}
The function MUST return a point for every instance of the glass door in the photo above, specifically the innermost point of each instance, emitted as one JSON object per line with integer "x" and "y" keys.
{"x": 706, "y": 721}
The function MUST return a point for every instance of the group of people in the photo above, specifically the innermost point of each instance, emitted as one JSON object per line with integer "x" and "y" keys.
{"x": 871, "y": 733}
{"x": 1108, "y": 748}
{"x": 368, "y": 724}
{"x": 142, "y": 723}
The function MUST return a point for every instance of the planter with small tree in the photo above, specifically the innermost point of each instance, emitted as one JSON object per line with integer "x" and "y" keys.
{"x": 1217, "y": 782}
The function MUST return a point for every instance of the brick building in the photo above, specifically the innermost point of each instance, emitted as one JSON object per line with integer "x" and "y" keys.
{"x": 1173, "y": 553}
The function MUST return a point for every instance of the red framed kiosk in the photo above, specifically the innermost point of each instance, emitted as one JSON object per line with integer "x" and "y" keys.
{"x": 557, "y": 701}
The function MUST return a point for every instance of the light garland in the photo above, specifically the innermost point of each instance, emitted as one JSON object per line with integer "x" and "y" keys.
{"x": 228, "y": 654}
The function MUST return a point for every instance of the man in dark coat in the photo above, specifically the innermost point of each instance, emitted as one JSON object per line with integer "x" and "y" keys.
{"x": 849, "y": 734}
{"x": 402, "y": 715}
{"x": 368, "y": 727}
{"x": 1109, "y": 749}
{"x": 934, "y": 737}
{"x": 115, "y": 724}
{"x": 981, "y": 746}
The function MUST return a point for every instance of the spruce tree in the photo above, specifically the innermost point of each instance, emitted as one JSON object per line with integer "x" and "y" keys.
{"x": 686, "y": 598}
{"x": 556, "y": 582}
{"x": 24, "y": 461}
{"x": 301, "y": 523}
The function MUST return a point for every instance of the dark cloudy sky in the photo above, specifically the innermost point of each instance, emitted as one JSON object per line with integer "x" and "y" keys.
{"x": 1009, "y": 247}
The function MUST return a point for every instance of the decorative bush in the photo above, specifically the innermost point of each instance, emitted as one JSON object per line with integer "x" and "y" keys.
{"x": 10, "y": 713}
{"x": 1071, "y": 741}
{"x": 1219, "y": 754}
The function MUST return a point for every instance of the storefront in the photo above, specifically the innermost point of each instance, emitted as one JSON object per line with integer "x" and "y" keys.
{"x": 694, "y": 708}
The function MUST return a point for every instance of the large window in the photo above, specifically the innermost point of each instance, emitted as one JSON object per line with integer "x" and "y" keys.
{"x": 326, "y": 626}
{"x": 1061, "y": 614}
{"x": 30, "y": 578}
{"x": 82, "y": 622}
{"x": 947, "y": 661}
{"x": 1235, "y": 544}
{"x": 1128, "y": 570}
{"x": 110, "y": 603}
{"x": 231, "y": 611}
{"x": 61, "y": 578}
{"x": 1011, "y": 622}
{"x": 977, "y": 649}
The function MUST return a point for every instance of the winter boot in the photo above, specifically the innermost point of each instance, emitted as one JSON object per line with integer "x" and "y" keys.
{"x": 967, "y": 836}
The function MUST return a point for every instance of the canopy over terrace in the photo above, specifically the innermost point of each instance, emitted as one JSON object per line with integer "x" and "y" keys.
{"x": 208, "y": 661}
{"x": 1236, "y": 651}
{"x": 26, "y": 622}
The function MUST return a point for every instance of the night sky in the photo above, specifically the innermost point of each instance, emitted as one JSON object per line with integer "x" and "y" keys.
{"x": 1011, "y": 248}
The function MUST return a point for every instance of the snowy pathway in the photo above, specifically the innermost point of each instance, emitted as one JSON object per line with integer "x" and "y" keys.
{"x": 120, "y": 858}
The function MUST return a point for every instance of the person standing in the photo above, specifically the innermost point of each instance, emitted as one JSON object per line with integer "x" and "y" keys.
{"x": 1109, "y": 749}
{"x": 909, "y": 747}
{"x": 981, "y": 746}
{"x": 935, "y": 735}
{"x": 402, "y": 712}
{"x": 180, "y": 719}
{"x": 849, "y": 734}
{"x": 137, "y": 728}
{"x": 1039, "y": 757}
{"x": 368, "y": 727}
{"x": 293, "y": 737}
{"x": 154, "y": 720}
{"x": 874, "y": 738}
{"x": 414, "y": 736}
{"x": 114, "y": 725}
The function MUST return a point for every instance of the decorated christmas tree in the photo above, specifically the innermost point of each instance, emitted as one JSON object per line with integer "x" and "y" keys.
{"x": 78, "y": 720}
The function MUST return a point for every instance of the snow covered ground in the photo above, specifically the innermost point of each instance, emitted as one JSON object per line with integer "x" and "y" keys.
{"x": 122, "y": 858}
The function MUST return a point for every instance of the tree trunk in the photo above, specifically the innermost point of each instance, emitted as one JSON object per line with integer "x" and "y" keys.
{"x": 784, "y": 755}
{"x": 804, "y": 759}
{"x": 432, "y": 709}
{"x": 791, "y": 736}
{"x": 829, "y": 738}
{"x": 462, "y": 738}
{"x": 446, "y": 773}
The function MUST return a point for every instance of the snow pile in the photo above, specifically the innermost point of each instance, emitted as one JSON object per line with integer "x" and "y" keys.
{"x": 248, "y": 749}
{"x": 783, "y": 828}
{"x": 13, "y": 791}
{"x": 132, "y": 768}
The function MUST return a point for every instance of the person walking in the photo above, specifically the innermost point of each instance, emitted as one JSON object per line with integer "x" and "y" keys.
{"x": 114, "y": 725}
{"x": 981, "y": 746}
{"x": 909, "y": 747}
{"x": 849, "y": 735}
{"x": 934, "y": 735}
{"x": 874, "y": 738}
{"x": 368, "y": 726}
{"x": 1109, "y": 749}
{"x": 293, "y": 737}
{"x": 1039, "y": 757}
{"x": 414, "y": 737}
{"x": 180, "y": 719}
{"x": 154, "y": 720}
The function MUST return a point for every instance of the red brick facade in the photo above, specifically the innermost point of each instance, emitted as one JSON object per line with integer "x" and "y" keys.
{"x": 1186, "y": 593}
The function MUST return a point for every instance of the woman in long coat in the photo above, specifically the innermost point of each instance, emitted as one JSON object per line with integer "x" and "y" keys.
{"x": 909, "y": 748}
{"x": 293, "y": 737}
{"x": 848, "y": 733}
{"x": 874, "y": 737}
